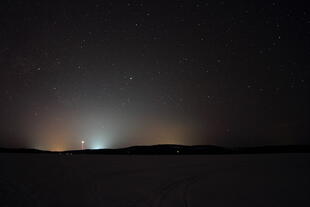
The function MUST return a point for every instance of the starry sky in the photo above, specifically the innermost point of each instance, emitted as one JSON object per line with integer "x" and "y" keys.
{"x": 136, "y": 72}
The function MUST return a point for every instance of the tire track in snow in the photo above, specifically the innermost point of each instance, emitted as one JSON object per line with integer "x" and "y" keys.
{"x": 176, "y": 193}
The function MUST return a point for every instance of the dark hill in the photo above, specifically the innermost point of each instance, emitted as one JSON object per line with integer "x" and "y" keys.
{"x": 198, "y": 149}
{"x": 22, "y": 150}
{"x": 178, "y": 149}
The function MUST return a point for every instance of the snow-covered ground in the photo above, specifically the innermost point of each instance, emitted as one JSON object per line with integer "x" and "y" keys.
{"x": 173, "y": 180}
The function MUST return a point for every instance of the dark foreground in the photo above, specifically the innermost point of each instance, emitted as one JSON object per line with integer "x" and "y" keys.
{"x": 165, "y": 180}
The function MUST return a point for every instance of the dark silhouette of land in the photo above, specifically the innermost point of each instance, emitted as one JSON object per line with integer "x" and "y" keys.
{"x": 178, "y": 149}
{"x": 161, "y": 175}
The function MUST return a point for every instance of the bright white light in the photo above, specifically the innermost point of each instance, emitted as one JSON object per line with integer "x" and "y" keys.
{"x": 83, "y": 142}
{"x": 97, "y": 147}
{"x": 97, "y": 143}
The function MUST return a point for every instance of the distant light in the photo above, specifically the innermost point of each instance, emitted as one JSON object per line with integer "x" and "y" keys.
{"x": 82, "y": 147}
{"x": 97, "y": 142}
{"x": 97, "y": 146}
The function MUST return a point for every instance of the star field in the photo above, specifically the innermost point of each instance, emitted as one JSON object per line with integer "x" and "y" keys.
{"x": 119, "y": 73}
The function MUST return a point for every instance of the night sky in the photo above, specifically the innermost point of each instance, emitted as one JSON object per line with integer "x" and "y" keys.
{"x": 121, "y": 73}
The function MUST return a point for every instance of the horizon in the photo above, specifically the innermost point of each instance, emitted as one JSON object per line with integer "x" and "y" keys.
{"x": 159, "y": 145}
{"x": 89, "y": 146}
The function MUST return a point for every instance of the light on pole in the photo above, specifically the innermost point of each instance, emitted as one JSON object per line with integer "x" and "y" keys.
{"x": 82, "y": 144}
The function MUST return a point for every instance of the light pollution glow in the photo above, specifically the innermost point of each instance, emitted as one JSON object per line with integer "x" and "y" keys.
{"x": 53, "y": 133}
